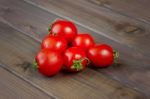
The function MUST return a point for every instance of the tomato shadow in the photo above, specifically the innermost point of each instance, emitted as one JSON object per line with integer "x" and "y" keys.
{"x": 66, "y": 72}
{"x": 91, "y": 66}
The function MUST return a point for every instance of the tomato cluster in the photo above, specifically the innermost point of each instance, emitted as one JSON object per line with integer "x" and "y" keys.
{"x": 65, "y": 47}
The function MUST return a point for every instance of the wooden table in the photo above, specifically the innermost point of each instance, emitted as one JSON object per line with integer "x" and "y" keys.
{"x": 124, "y": 24}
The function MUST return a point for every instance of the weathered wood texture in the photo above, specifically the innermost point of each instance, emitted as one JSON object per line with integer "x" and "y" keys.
{"x": 17, "y": 54}
{"x": 18, "y": 50}
{"x": 138, "y": 9}
{"x": 123, "y": 29}
{"x": 31, "y": 20}
{"x": 11, "y": 87}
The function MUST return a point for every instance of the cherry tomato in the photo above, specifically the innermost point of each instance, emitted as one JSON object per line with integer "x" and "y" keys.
{"x": 84, "y": 41}
{"x": 101, "y": 55}
{"x": 48, "y": 62}
{"x": 55, "y": 43}
{"x": 64, "y": 28}
{"x": 75, "y": 59}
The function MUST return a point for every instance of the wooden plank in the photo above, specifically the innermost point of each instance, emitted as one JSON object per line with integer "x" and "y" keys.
{"x": 113, "y": 25}
{"x": 11, "y": 87}
{"x": 138, "y": 9}
{"x": 17, "y": 54}
{"x": 33, "y": 21}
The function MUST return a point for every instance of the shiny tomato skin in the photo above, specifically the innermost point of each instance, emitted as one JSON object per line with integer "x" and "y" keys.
{"x": 74, "y": 54}
{"x": 101, "y": 55}
{"x": 49, "y": 62}
{"x": 84, "y": 41}
{"x": 64, "y": 28}
{"x": 55, "y": 43}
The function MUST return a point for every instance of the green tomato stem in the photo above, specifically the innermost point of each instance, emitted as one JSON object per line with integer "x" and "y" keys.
{"x": 35, "y": 65}
{"x": 116, "y": 56}
{"x": 49, "y": 27}
{"x": 77, "y": 64}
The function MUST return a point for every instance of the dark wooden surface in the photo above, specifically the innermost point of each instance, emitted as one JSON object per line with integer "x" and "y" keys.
{"x": 21, "y": 50}
{"x": 24, "y": 23}
{"x": 120, "y": 28}
{"x": 12, "y": 87}
{"x": 137, "y": 9}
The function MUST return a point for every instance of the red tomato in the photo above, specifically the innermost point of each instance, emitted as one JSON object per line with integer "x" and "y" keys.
{"x": 84, "y": 41}
{"x": 75, "y": 59}
{"x": 49, "y": 62}
{"x": 101, "y": 55}
{"x": 64, "y": 28}
{"x": 55, "y": 43}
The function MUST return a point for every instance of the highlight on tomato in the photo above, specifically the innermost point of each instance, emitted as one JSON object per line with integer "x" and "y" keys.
{"x": 56, "y": 43}
{"x": 102, "y": 55}
{"x": 48, "y": 62}
{"x": 64, "y": 28}
{"x": 84, "y": 41}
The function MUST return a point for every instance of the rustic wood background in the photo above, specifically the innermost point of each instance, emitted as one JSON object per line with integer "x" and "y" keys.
{"x": 124, "y": 24}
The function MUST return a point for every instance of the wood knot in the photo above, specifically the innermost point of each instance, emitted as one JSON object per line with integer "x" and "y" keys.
{"x": 25, "y": 65}
{"x": 126, "y": 29}
{"x": 5, "y": 10}
{"x": 131, "y": 29}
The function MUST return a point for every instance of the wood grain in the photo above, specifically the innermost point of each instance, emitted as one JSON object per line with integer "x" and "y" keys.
{"x": 17, "y": 54}
{"x": 33, "y": 21}
{"x": 137, "y": 9}
{"x": 11, "y": 87}
{"x": 104, "y": 21}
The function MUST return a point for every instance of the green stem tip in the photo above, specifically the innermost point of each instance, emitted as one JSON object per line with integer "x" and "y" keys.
{"x": 35, "y": 65}
{"x": 49, "y": 28}
{"x": 51, "y": 22}
{"x": 77, "y": 64}
{"x": 116, "y": 56}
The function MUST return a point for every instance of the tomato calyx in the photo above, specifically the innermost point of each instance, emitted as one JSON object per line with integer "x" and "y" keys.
{"x": 49, "y": 27}
{"x": 35, "y": 65}
{"x": 78, "y": 65}
{"x": 116, "y": 56}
